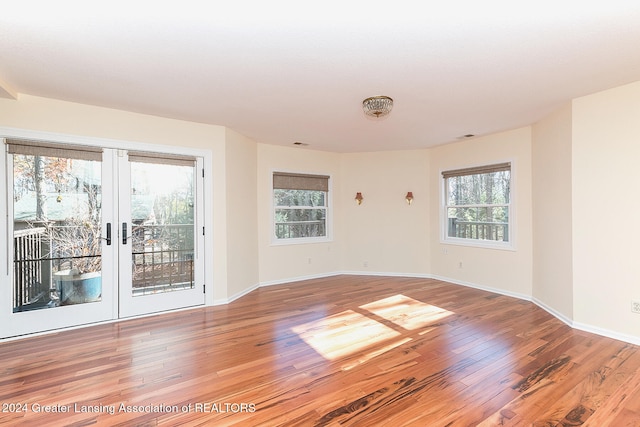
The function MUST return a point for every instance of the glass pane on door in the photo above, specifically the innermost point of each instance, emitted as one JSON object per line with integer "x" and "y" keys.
{"x": 57, "y": 256}
{"x": 162, "y": 228}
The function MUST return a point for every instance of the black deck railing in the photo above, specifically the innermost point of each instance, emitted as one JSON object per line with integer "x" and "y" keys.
{"x": 497, "y": 231}
{"x": 162, "y": 260}
{"x": 162, "y": 257}
{"x": 296, "y": 229}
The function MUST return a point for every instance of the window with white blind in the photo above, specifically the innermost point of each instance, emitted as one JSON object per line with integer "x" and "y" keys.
{"x": 477, "y": 206}
{"x": 301, "y": 207}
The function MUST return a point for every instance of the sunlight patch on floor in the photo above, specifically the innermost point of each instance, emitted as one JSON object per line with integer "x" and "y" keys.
{"x": 344, "y": 334}
{"x": 360, "y": 336}
{"x": 406, "y": 312}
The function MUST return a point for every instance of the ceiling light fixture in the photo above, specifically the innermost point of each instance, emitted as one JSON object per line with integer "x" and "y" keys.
{"x": 377, "y": 106}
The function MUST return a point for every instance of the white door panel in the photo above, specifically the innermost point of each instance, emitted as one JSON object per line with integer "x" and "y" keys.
{"x": 159, "y": 203}
{"x": 95, "y": 235}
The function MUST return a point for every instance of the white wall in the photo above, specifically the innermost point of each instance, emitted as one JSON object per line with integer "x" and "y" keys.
{"x": 280, "y": 263}
{"x": 552, "y": 212}
{"x": 384, "y": 234}
{"x": 606, "y": 206}
{"x": 507, "y": 271}
{"x": 52, "y": 116}
{"x": 241, "y": 219}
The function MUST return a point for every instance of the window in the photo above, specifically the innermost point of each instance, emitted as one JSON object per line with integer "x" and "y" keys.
{"x": 300, "y": 206}
{"x": 477, "y": 205}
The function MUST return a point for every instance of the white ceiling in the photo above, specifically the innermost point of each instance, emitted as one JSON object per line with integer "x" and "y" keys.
{"x": 285, "y": 71}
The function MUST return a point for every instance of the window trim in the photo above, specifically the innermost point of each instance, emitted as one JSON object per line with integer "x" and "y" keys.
{"x": 329, "y": 210}
{"x": 487, "y": 244}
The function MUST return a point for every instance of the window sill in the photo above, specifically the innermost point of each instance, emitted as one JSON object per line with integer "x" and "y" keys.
{"x": 300, "y": 241}
{"x": 484, "y": 244}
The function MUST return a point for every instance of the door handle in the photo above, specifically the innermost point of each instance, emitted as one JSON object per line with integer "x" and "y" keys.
{"x": 108, "y": 239}
{"x": 124, "y": 233}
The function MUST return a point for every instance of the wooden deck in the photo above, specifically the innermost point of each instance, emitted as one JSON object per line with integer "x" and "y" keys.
{"x": 345, "y": 350}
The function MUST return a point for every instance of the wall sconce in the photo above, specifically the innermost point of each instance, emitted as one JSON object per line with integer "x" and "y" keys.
{"x": 409, "y": 197}
{"x": 359, "y": 198}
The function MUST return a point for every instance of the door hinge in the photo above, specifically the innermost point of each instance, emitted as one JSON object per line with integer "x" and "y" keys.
{"x": 204, "y": 289}
{"x": 203, "y": 231}
{"x": 203, "y": 172}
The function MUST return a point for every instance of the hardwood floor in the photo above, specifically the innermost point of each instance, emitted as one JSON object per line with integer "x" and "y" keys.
{"x": 345, "y": 350}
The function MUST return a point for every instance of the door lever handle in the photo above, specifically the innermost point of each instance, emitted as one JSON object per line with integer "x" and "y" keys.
{"x": 108, "y": 238}
{"x": 124, "y": 233}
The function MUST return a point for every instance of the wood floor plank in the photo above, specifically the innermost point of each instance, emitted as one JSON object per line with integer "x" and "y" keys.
{"x": 589, "y": 394}
{"x": 344, "y": 350}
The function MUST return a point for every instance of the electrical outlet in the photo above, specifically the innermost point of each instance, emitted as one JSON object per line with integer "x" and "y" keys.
{"x": 460, "y": 264}
{"x": 309, "y": 260}
{"x": 635, "y": 306}
{"x": 365, "y": 263}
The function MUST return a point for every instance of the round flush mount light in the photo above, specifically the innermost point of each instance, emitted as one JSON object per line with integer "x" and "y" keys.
{"x": 377, "y": 106}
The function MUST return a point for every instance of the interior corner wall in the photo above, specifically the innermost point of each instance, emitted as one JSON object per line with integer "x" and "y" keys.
{"x": 505, "y": 271}
{"x": 280, "y": 263}
{"x": 385, "y": 234}
{"x": 606, "y": 202}
{"x": 51, "y": 116}
{"x": 241, "y": 156}
{"x": 552, "y": 212}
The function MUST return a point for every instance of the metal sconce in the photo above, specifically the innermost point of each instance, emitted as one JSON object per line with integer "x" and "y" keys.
{"x": 359, "y": 198}
{"x": 409, "y": 197}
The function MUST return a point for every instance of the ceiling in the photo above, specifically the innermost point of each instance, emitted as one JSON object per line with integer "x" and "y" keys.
{"x": 281, "y": 72}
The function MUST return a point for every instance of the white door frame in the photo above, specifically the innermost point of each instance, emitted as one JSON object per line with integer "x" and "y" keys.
{"x": 7, "y": 317}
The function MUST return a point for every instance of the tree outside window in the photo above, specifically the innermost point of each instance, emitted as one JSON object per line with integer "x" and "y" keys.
{"x": 300, "y": 206}
{"x": 478, "y": 203}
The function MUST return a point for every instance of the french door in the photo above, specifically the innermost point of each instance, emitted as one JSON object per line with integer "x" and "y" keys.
{"x": 98, "y": 234}
{"x": 159, "y": 215}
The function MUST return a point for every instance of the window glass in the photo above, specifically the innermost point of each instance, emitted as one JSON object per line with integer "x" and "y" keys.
{"x": 300, "y": 214}
{"x": 57, "y": 231}
{"x": 478, "y": 205}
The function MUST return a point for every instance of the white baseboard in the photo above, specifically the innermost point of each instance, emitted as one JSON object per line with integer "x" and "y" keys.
{"x": 588, "y": 328}
{"x": 484, "y": 288}
{"x": 297, "y": 279}
{"x": 553, "y": 312}
{"x": 236, "y": 296}
{"x": 384, "y": 273}
{"x": 606, "y": 333}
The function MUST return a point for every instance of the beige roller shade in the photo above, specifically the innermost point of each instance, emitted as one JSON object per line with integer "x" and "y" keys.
{"x": 296, "y": 181}
{"x": 477, "y": 170}
{"x": 161, "y": 158}
{"x": 53, "y": 149}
